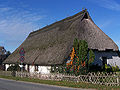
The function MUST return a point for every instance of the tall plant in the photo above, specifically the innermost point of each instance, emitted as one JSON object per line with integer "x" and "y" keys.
{"x": 78, "y": 62}
{"x": 91, "y": 57}
{"x": 79, "y": 59}
{"x": 83, "y": 49}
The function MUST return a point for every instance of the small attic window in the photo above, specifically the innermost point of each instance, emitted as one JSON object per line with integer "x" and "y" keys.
{"x": 85, "y": 16}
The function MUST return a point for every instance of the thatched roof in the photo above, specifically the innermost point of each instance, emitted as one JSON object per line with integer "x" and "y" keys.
{"x": 2, "y": 50}
{"x": 2, "y": 58}
{"x": 52, "y": 44}
{"x": 1, "y": 47}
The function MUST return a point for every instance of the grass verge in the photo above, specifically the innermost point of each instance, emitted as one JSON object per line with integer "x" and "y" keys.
{"x": 64, "y": 83}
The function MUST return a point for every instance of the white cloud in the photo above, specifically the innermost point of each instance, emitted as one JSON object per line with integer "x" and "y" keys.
{"x": 109, "y": 4}
{"x": 5, "y": 9}
{"x": 16, "y": 24}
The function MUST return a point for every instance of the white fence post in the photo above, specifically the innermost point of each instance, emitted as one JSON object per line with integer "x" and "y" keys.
{"x": 118, "y": 80}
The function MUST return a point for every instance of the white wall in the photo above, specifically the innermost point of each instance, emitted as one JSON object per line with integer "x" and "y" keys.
{"x": 31, "y": 68}
{"x": 114, "y": 61}
{"x": 44, "y": 69}
{"x": 26, "y": 67}
{"x": 7, "y": 66}
{"x": 112, "y": 58}
{"x": 41, "y": 69}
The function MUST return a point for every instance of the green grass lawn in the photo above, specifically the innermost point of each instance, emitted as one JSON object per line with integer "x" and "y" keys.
{"x": 64, "y": 83}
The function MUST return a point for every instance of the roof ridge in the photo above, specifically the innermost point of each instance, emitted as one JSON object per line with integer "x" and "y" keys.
{"x": 67, "y": 18}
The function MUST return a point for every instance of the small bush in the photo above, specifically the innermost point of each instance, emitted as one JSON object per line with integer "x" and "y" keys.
{"x": 14, "y": 68}
{"x": 115, "y": 69}
{"x": 108, "y": 68}
{"x": 91, "y": 57}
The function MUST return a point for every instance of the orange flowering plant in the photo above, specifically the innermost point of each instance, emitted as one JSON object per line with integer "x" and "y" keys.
{"x": 78, "y": 63}
{"x": 78, "y": 60}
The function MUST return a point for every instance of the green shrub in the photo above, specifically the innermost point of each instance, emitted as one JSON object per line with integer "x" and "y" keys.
{"x": 115, "y": 69}
{"x": 91, "y": 57}
{"x": 107, "y": 68}
{"x": 15, "y": 67}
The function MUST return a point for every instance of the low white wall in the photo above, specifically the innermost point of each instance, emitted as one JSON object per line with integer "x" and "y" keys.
{"x": 41, "y": 69}
{"x": 44, "y": 69}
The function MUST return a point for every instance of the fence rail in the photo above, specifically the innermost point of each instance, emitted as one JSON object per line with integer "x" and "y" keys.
{"x": 109, "y": 79}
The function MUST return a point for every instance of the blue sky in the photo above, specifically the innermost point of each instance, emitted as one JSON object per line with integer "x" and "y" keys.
{"x": 20, "y": 17}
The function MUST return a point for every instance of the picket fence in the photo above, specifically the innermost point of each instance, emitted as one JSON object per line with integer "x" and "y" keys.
{"x": 109, "y": 79}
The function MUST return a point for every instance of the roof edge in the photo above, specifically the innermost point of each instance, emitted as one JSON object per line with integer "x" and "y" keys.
{"x": 67, "y": 18}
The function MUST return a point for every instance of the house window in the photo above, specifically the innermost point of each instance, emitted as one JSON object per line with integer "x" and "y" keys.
{"x": 36, "y": 67}
{"x": 85, "y": 16}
